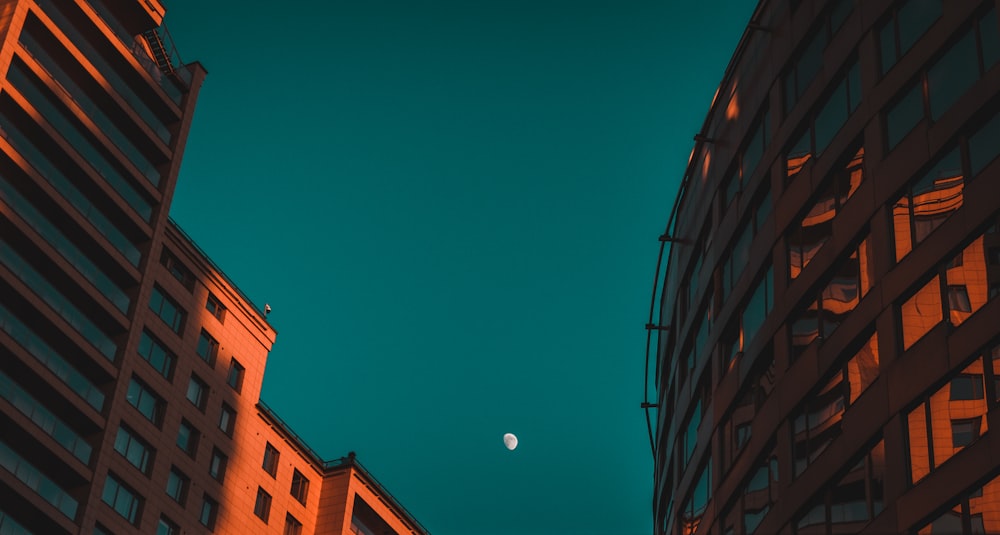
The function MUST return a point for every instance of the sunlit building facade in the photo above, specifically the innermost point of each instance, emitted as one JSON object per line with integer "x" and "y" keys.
{"x": 824, "y": 350}
{"x": 131, "y": 366}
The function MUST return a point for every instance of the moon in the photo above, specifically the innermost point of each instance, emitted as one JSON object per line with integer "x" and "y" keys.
{"x": 510, "y": 440}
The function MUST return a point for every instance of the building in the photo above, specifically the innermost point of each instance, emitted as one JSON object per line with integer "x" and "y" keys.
{"x": 130, "y": 365}
{"x": 824, "y": 349}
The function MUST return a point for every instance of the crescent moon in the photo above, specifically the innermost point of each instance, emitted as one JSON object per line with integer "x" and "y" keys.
{"x": 510, "y": 440}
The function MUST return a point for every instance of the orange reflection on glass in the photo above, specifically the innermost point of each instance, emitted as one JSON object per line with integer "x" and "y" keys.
{"x": 733, "y": 109}
{"x": 855, "y": 171}
{"x": 862, "y": 369}
{"x": 984, "y": 509}
{"x": 901, "y": 227}
{"x": 921, "y": 312}
{"x": 920, "y": 457}
{"x": 968, "y": 285}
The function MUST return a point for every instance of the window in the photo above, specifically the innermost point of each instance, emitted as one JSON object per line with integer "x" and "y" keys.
{"x": 197, "y": 392}
{"x": 819, "y": 129}
{"x": 271, "y": 455}
{"x": 984, "y": 145}
{"x": 262, "y": 507}
{"x": 166, "y": 527}
{"x": 177, "y": 485}
{"x": 846, "y": 286}
{"x": 854, "y": 500}
{"x": 177, "y": 269}
{"x": 817, "y": 423}
{"x": 809, "y": 60}
{"x": 760, "y": 305}
{"x": 292, "y": 526}
{"x": 908, "y": 22}
{"x": 694, "y": 507}
{"x": 217, "y": 468}
{"x": 123, "y": 500}
{"x": 235, "y": 377}
{"x": 944, "y": 81}
{"x": 187, "y": 438}
{"x": 167, "y": 309}
{"x": 973, "y": 513}
{"x": 300, "y": 487}
{"x": 208, "y": 348}
{"x": 227, "y": 419}
{"x": 209, "y": 512}
{"x": 134, "y": 449}
{"x": 214, "y": 306}
{"x": 813, "y": 229}
{"x": 143, "y": 399}
{"x": 736, "y": 428}
{"x": 927, "y": 202}
{"x": 952, "y": 410}
{"x": 760, "y": 492}
{"x": 156, "y": 354}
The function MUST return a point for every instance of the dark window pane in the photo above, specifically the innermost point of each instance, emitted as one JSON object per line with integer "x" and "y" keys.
{"x": 984, "y": 145}
{"x": 966, "y": 387}
{"x": 799, "y": 154}
{"x": 904, "y": 115}
{"x": 921, "y": 312}
{"x": 755, "y": 148}
{"x": 952, "y": 75}
{"x": 990, "y": 38}
{"x": 964, "y": 432}
{"x": 831, "y": 117}
{"x": 915, "y": 17}
{"x": 887, "y": 46}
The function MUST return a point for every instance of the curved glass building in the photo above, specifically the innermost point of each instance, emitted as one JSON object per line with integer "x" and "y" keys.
{"x": 825, "y": 325}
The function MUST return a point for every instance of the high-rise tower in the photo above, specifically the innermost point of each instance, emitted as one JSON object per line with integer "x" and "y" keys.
{"x": 827, "y": 350}
{"x": 130, "y": 365}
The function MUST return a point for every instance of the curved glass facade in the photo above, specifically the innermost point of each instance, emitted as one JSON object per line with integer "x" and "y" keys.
{"x": 827, "y": 350}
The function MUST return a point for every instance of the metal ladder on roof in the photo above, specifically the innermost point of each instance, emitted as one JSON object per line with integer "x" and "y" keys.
{"x": 160, "y": 54}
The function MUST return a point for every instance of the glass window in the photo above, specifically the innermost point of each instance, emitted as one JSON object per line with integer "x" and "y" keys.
{"x": 197, "y": 392}
{"x": 990, "y": 39}
{"x": 187, "y": 438}
{"x": 270, "y": 464}
{"x": 156, "y": 354}
{"x": 227, "y": 419}
{"x": 817, "y": 424}
{"x": 123, "y": 500}
{"x": 909, "y": 21}
{"x": 952, "y": 75}
{"x": 984, "y": 145}
{"x": 904, "y": 115}
{"x": 217, "y": 467}
{"x": 134, "y": 449}
{"x": 300, "y": 487}
{"x": 214, "y": 307}
{"x": 921, "y": 312}
{"x": 167, "y": 309}
{"x": 850, "y": 503}
{"x": 208, "y": 348}
{"x": 143, "y": 399}
{"x": 697, "y": 502}
{"x": 754, "y": 149}
{"x": 209, "y": 511}
{"x": 177, "y": 269}
{"x": 928, "y": 202}
{"x": 177, "y": 485}
{"x": 262, "y": 507}
{"x": 166, "y": 527}
{"x": 235, "y": 376}
{"x": 965, "y": 431}
{"x": 292, "y": 526}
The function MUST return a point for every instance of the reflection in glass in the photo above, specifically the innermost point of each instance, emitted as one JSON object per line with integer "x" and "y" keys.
{"x": 862, "y": 369}
{"x": 760, "y": 493}
{"x": 799, "y": 155}
{"x": 984, "y": 145}
{"x": 818, "y": 423}
{"x": 697, "y": 502}
{"x": 952, "y": 75}
{"x": 968, "y": 285}
{"x": 904, "y": 115}
{"x": 920, "y": 313}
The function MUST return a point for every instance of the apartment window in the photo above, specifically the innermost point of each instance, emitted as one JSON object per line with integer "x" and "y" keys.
{"x": 235, "y": 376}
{"x": 927, "y": 202}
{"x": 167, "y": 309}
{"x": 271, "y": 455}
{"x": 122, "y": 499}
{"x": 853, "y": 500}
{"x": 187, "y": 438}
{"x": 984, "y": 145}
{"x": 167, "y": 527}
{"x": 758, "y": 307}
{"x": 208, "y": 347}
{"x": 809, "y": 60}
{"x": 227, "y": 419}
{"x": 214, "y": 306}
{"x": 760, "y": 492}
{"x": 156, "y": 354}
{"x": 969, "y": 515}
{"x": 947, "y": 295}
{"x": 908, "y": 22}
{"x": 177, "y": 485}
{"x": 134, "y": 449}
{"x": 177, "y": 269}
{"x": 809, "y": 233}
{"x": 694, "y": 507}
{"x": 209, "y": 512}
{"x": 197, "y": 392}
{"x": 943, "y": 82}
{"x": 934, "y": 432}
{"x": 262, "y": 507}
{"x": 292, "y": 526}
{"x": 846, "y": 286}
{"x": 145, "y": 401}
{"x": 736, "y": 427}
{"x": 217, "y": 468}
{"x": 300, "y": 487}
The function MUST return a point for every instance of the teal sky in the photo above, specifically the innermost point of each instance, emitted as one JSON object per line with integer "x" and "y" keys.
{"x": 452, "y": 208}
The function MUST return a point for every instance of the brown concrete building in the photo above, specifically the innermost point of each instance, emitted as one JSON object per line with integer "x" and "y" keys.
{"x": 825, "y": 333}
{"x": 130, "y": 365}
